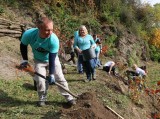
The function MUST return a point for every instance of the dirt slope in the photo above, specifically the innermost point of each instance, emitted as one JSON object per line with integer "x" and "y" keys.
{"x": 88, "y": 107}
{"x": 9, "y": 58}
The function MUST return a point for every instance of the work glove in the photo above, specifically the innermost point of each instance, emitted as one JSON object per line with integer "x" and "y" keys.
{"x": 24, "y": 64}
{"x": 93, "y": 46}
{"x": 51, "y": 79}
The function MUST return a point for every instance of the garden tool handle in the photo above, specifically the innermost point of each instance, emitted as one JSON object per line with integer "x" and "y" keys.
{"x": 32, "y": 71}
{"x": 59, "y": 85}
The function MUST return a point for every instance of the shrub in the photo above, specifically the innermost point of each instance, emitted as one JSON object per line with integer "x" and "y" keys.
{"x": 1, "y": 9}
{"x": 154, "y": 53}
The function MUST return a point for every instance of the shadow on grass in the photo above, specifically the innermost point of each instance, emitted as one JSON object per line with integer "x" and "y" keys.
{"x": 29, "y": 86}
{"x": 8, "y": 101}
{"x": 76, "y": 80}
{"x": 53, "y": 114}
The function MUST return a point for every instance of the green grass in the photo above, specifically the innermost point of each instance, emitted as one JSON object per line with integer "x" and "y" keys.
{"x": 153, "y": 74}
{"x": 18, "y": 98}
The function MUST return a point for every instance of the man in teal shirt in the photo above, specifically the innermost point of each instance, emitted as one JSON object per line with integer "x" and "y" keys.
{"x": 45, "y": 47}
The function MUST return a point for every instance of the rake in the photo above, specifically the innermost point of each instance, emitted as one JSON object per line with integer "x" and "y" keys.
{"x": 32, "y": 72}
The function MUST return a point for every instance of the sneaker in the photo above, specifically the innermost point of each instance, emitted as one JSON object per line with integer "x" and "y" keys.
{"x": 71, "y": 102}
{"x": 80, "y": 72}
{"x": 86, "y": 80}
{"x": 41, "y": 103}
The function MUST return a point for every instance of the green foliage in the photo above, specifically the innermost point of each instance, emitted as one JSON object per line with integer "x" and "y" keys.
{"x": 157, "y": 14}
{"x": 92, "y": 24}
{"x": 110, "y": 11}
{"x": 154, "y": 53}
{"x": 130, "y": 61}
{"x": 13, "y": 3}
{"x": 137, "y": 29}
{"x": 1, "y": 9}
{"x": 69, "y": 15}
{"x": 132, "y": 57}
{"x": 111, "y": 52}
{"x": 127, "y": 15}
{"x": 111, "y": 40}
{"x": 106, "y": 17}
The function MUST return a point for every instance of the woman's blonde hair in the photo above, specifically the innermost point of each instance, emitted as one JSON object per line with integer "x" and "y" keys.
{"x": 84, "y": 28}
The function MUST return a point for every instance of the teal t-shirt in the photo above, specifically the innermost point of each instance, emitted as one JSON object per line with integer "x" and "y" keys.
{"x": 41, "y": 47}
{"x": 97, "y": 49}
{"x": 76, "y": 34}
{"x": 84, "y": 43}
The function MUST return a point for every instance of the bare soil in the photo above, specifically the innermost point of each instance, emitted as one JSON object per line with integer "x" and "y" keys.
{"x": 9, "y": 51}
{"x": 10, "y": 57}
{"x": 88, "y": 107}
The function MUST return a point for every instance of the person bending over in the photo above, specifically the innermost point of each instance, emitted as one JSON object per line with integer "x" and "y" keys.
{"x": 45, "y": 47}
{"x": 109, "y": 67}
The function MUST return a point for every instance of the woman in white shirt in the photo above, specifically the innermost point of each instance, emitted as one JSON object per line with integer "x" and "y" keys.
{"x": 109, "y": 66}
{"x": 139, "y": 71}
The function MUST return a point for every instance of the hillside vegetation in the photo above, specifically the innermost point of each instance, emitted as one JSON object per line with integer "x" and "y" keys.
{"x": 129, "y": 32}
{"x": 112, "y": 20}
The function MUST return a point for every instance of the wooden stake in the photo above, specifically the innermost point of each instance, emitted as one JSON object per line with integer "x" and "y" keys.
{"x": 115, "y": 112}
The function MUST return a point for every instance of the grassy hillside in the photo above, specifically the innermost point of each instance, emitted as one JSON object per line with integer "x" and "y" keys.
{"x": 111, "y": 20}
{"x": 18, "y": 98}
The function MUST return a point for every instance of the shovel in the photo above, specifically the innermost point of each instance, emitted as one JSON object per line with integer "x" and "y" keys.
{"x": 31, "y": 70}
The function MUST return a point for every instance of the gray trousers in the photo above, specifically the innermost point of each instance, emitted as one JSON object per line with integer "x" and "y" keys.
{"x": 41, "y": 67}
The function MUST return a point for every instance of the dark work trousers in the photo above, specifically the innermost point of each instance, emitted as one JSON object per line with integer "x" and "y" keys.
{"x": 132, "y": 73}
{"x": 72, "y": 54}
{"x": 80, "y": 64}
{"x": 89, "y": 66}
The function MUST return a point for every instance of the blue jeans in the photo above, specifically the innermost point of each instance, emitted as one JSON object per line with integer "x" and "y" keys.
{"x": 98, "y": 63}
{"x": 80, "y": 63}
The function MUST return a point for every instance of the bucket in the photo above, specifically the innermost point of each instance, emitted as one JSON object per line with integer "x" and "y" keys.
{"x": 88, "y": 54}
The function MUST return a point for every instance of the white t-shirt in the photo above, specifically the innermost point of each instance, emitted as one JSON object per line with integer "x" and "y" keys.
{"x": 109, "y": 63}
{"x": 140, "y": 71}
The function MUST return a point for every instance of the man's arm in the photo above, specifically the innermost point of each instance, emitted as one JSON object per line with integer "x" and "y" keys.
{"x": 111, "y": 67}
{"x": 52, "y": 57}
{"x": 51, "y": 78}
{"x": 24, "y": 51}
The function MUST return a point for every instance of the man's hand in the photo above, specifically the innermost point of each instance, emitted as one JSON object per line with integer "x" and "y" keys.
{"x": 93, "y": 46}
{"x": 23, "y": 65}
{"x": 79, "y": 50}
{"x": 51, "y": 79}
